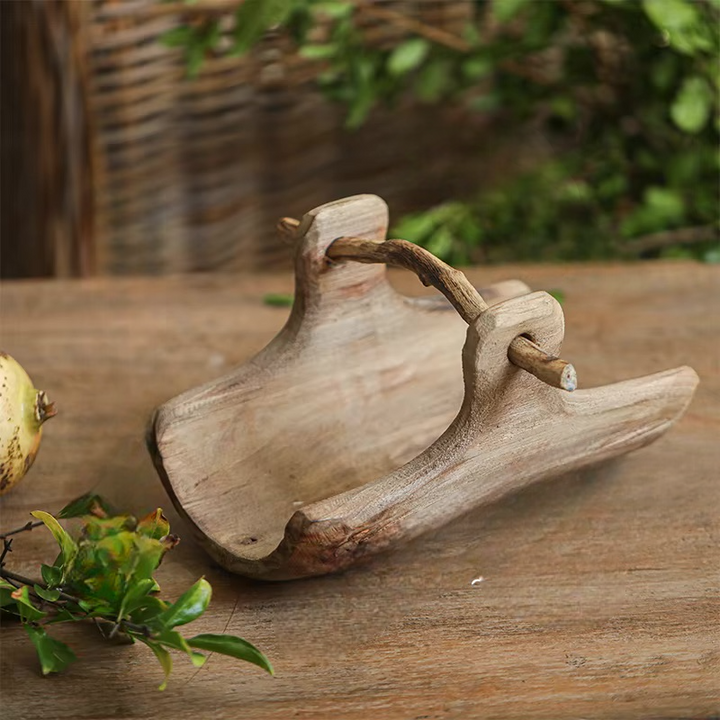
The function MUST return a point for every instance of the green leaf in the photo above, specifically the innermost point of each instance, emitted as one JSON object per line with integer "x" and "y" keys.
{"x": 96, "y": 608}
{"x": 97, "y": 528}
{"x": 472, "y": 34}
{"x": 254, "y": 17}
{"x": 177, "y": 37}
{"x": 195, "y": 58}
{"x": 334, "y": 10}
{"x": 51, "y": 574}
{"x": 189, "y": 606}
{"x": 161, "y": 654}
{"x": 154, "y": 525}
{"x": 88, "y": 504}
{"x": 415, "y": 227}
{"x": 233, "y": 646}
{"x": 364, "y": 92}
{"x": 564, "y": 107}
{"x": 68, "y": 548}
{"x": 434, "y": 80}
{"x": 212, "y": 35}
{"x": 28, "y": 611}
{"x": 6, "y": 598}
{"x": 559, "y": 295}
{"x": 318, "y": 52}
{"x": 407, "y": 56}
{"x": 359, "y": 110}
{"x": 106, "y": 567}
{"x": 475, "y": 68}
{"x": 63, "y": 615}
{"x": 662, "y": 207}
{"x": 505, "y": 10}
{"x": 147, "y": 609}
{"x": 440, "y": 243}
{"x": 681, "y": 23}
{"x": 46, "y": 594}
{"x": 692, "y": 106}
{"x": 148, "y": 554}
{"x": 135, "y": 596}
{"x": 670, "y": 14}
{"x": 278, "y": 299}
{"x": 712, "y": 255}
{"x": 666, "y": 202}
{"x": 54, "y": 655}
{"x": 175, "y": 640}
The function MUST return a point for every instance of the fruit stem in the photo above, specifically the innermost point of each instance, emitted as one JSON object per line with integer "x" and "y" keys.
{"x": 44, "y": 409}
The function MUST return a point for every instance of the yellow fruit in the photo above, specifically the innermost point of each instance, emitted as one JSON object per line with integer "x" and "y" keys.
{"x": 23, "y": 410}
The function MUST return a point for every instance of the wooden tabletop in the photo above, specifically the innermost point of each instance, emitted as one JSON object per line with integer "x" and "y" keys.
{"x": 600, "y": 593}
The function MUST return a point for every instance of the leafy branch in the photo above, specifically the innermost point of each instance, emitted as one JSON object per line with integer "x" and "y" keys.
{"x": 106, "y": 575}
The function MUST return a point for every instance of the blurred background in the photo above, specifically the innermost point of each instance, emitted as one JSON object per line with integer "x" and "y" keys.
{"x": 147, "y": 137}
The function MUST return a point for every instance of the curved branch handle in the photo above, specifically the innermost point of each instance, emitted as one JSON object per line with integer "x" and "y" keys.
{"x": 431, "y": 270}
{"x": 455, "y": 286}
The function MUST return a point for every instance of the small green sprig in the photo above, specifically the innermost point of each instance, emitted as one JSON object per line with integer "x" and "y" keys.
{"x": 278, "y": 299}
{"x": 106, "y": 575}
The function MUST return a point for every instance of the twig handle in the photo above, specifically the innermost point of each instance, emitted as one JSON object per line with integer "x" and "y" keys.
{"x": 455, "y": 286}
{"x": 431, "y": 270}
{"x": 550, "y": 369}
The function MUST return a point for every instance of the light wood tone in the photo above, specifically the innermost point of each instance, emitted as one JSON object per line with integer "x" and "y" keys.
{"x": 333, "y": 444}
{"x": 552, "y": 370}
{"x": 463, "y": 296}
{"x": 599, "y": 597}
{"x": 453, "y": 284}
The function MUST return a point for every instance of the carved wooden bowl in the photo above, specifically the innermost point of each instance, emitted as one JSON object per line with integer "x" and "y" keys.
{"x": 354, "y": 430}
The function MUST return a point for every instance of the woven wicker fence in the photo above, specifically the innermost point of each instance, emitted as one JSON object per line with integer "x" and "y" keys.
{"x": 158, "y": 173}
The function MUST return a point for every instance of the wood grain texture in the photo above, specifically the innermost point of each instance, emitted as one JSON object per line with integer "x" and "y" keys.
{"x": 458, "y": 290}
{"x": 600, "y": 592}
{"x": 47, "y": 170}
{"x": 348, "y": 435}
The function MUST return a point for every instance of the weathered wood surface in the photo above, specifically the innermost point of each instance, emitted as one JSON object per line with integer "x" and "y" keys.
{"x": 600, "y": 592}
{"x": 350, "y": 432}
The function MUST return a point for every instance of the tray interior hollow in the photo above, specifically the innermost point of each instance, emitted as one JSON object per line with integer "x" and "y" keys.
{"x": 309, "y": 418}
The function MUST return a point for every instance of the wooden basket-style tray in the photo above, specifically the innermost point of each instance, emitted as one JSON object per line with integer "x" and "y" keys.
{"x": 353, "y": 430}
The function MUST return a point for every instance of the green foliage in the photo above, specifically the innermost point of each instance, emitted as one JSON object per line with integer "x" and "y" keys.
{"x": 692, "y": 106}
{"x": 558, "y": 294}
{"x": 87, "y": 505}
{"x": 278, "y": 299}
{"x": 27, "y": 611}
{"x": 189, "y": 606}
{"x": 234, "y": 646}
{"x": 624, "y": 91}
{"x": 446, "y": 231}
{"x": 106, "y": 573}
{"x": 54, "y": 655}
{"x": 407, "y": 56}
{"x": 254, "y": 18}
{"x": 197, "y": 42}
{"x": 68, "y": 548}
{"x": 505, "y": 10}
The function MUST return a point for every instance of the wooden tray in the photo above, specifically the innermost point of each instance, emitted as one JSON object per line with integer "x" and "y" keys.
{"x": 353, "y": 431}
